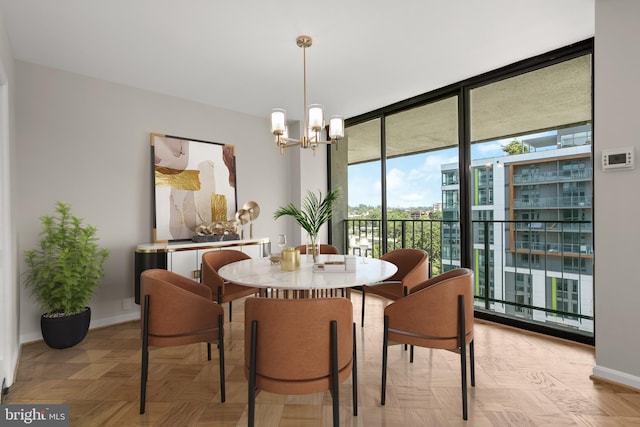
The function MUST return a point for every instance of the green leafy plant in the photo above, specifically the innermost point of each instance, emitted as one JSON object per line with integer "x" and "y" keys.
{"x": 65, "y": 271}
{"x": 315, "y": 212}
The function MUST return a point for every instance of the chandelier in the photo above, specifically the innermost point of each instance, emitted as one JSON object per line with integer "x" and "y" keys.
{"x": 313, "y": 117}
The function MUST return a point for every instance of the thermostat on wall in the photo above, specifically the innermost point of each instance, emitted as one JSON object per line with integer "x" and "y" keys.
{"x": 617, "y": 158}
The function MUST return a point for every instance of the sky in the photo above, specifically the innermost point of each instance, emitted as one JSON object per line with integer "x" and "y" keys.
{"x": 412, "y": 181}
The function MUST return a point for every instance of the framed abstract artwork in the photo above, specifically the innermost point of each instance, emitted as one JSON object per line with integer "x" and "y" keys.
{"x": 194, "y": 183}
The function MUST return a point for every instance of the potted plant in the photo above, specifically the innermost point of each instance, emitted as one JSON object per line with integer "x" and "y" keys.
{"x": 63, "y": 274}
{"x": 315, "y": 212}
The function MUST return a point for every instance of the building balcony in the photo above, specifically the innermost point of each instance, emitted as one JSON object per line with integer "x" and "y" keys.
{"x": 572, "y": 202}
{"x": 553, "y": 176}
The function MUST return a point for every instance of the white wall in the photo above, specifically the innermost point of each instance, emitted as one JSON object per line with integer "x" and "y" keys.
{"x": 617, "y": 210}
{"x": 8, "y": 271}
{"x": 86, "y": 142}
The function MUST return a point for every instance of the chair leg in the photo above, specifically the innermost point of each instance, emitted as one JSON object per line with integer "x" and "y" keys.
{"x": 229, "y": 311}
{"x": 411, "y": 354}
{"x": 354, "y": 374}
{"x": 145, "y": 355}
{"x": 335, "y": 384}
{"x": 405, "y": 291}
{"x": 385, "y": 342}
{"x": 252, "y": 374}
{"x": 472, "y": 364}
{"x": 362, "y": 317}
{"x": 463, "y": 354}
{"x": 209, "y": 351}
{"x": 223, "y": 397}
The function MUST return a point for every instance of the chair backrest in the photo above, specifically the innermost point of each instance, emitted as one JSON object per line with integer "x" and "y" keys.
{"x": 429, "y": 317}
{"x": 212, "y": 261}
{"x": 413, "y": 266}
{"x": 180, "y": 309}
{"x": 293, "y": 342}
{"x": 324, "y": 249}
{"x": 440, "y": 277}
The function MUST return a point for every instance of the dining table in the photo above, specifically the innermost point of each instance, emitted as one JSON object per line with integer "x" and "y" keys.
{"x": 262, "y": 273}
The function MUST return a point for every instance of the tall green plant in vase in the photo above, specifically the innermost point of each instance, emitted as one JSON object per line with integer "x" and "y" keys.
{"x": 316, "y": 210}
{"x": 63, "y": 274}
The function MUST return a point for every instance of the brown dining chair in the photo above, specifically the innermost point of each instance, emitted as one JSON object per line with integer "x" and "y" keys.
{"x": 324, "y": 249}
{"x": 300, "y": 346}
{"x": 413, "y": 269}
{"x": 223, "y": 291}
{"x": 439, "y": 315}
{"x": 174, "y": 311}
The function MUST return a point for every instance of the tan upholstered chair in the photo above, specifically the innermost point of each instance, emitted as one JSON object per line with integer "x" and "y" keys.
{"x": 223, "y": 291}
{"x": 438, "y": 315}
{"x": 299, "y": 346}
{"x": 413, "y": 269}
{"x": 324, "y": 249}
{"x": 175, "y": 310}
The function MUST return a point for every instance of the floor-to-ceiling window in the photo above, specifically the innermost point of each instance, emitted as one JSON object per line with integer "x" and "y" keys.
{"x": 418, "y": 141}
{"x": 539, "y": 156}
{"x": 365, "y": 182}
{"x": 493, "y": 173}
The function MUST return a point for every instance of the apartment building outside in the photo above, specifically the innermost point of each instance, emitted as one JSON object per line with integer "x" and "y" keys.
{"x": 532, "y": 230}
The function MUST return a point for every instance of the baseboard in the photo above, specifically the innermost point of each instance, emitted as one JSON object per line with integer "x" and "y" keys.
{"x": 612, "y": 376}
{"x": 97, "y": 323}
{"x": 108, "y": 321}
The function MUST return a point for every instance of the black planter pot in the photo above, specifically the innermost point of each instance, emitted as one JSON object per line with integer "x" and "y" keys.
{"x": 65, "y": 331}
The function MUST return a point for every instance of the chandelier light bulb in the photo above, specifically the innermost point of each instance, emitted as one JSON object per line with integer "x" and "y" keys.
{"x": 278, "y": 121}
{"x": 336, "y": 127}
{"x": 316, "y": 121}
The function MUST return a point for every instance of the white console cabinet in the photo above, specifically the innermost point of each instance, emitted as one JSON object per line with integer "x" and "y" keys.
{"x": 185, "y": 257}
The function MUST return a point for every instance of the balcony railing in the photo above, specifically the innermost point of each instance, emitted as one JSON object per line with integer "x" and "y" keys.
{"x": 554, "y": 226}
{"x": 553, "y": 202}
{"x": 553, "y": 176}
{"x": 503, "y": 261}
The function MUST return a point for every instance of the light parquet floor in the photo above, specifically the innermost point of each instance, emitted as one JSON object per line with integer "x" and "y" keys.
{"x": 522, "y": 379}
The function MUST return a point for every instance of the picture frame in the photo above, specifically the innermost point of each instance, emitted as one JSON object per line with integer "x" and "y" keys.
{"x": 194, "y": 184}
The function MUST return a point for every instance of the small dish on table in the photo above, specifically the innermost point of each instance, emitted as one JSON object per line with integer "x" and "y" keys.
{"x": 274, "y": 258}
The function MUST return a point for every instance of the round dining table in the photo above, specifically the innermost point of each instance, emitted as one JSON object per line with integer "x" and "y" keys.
{"x": 261, "y": 273}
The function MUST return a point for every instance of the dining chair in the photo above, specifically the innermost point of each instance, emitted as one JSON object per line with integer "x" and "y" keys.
{"x": 223, "y": 291}
{"x": 300, "y": 346}
{"x": 176, "y": 310}
{"x": 324, "y": 249}
{"x": 413, "y": 269}
{"x": 439, "y": 315}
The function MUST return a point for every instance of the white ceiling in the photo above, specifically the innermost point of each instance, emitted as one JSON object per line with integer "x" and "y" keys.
{"x": 241, "y": 54}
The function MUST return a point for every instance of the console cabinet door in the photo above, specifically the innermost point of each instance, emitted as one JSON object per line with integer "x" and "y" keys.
{"x": 254, "y": 251}
{"x": 185, "y": 263}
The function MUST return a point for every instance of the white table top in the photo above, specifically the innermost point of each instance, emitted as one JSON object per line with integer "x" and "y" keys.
{"x": 260, "y": 273}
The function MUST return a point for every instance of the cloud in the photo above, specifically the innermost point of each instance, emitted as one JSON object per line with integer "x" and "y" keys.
{"x": 491, "y": 147}
{"x": 412, "y": 181}
{"x": 395, "y": 180}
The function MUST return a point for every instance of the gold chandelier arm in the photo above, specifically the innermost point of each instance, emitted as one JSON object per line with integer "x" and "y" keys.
{"x": 289, "y": 142}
